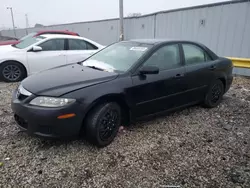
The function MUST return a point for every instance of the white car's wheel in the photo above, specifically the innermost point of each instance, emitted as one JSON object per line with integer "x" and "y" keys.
{"x": 12, "y": 71}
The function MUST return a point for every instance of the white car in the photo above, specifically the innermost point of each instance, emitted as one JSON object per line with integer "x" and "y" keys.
{"x": 43, "y": 52}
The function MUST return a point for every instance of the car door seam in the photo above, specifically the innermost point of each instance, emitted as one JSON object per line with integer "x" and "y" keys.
{"x": 171, "y": 95}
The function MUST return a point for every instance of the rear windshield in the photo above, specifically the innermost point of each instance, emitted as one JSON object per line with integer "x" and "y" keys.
{"x": 28, "y": 41}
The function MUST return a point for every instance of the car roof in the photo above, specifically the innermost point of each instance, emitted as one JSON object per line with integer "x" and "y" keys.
{"x": 149, "y": 41}
{"x": 51, "y": 36}
{"x": 56, "y": 32}
{"x": 160, "y": 40}
{"x": 61, "y": 36}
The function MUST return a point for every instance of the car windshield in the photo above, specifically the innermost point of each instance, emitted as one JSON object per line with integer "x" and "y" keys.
{"x": 118, "y": 57}
{"x": 27, "y": 36}
{"x": 28, "y": 41}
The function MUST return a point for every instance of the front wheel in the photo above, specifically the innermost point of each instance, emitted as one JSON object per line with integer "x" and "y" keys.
{"x": 214, "y": 95}
{"x": 102, "y": 124}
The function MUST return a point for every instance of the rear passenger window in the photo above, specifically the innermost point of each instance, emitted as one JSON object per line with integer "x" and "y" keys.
{"x": 194, "y": 54}
{"x": 75, "y": 44}
{"x": 91, "y": 46}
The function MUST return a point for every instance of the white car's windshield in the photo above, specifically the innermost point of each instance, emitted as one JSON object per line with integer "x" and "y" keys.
{"x": 117, "y": 57}
{"x": 28, "y": 41}
{"x": 27, "y": 36}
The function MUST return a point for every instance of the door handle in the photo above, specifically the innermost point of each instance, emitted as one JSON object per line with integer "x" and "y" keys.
{"x": 213, "y": 67}
{"x": 61, "y": 55}
{"x": 179, "y": 76}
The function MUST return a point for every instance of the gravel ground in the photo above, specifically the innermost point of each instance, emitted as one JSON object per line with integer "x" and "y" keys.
{"x": 195, "y": 147}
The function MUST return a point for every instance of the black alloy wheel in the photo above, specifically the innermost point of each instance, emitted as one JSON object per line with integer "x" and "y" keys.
{"x": 102, "y": 124}
{"x": 108, "y": 124}
{"x": 215, "y": 94}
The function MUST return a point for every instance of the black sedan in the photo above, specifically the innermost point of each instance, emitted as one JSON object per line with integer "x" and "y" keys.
{"x": 120, "y": 84}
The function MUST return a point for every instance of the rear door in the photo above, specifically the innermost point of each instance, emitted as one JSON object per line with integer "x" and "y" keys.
{"x": 200, "y": 70}
{"x": 79, "y": 49}
{"x": 163, "y": 91}
{"x": 53, "y": 54}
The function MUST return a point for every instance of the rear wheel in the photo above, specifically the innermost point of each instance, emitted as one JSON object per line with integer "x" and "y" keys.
{"x": 214, "y": 95}
{"x": 12, "y": 71}
{"x": 102, "y": 124}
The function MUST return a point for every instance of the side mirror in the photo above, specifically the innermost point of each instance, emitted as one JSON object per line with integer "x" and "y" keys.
{"x": 149, "y": 70}
{"x": 36, "y": 49}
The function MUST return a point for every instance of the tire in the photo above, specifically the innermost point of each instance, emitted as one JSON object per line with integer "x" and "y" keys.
{"x": 214, "y": 95}
{"x": 98, "y": 119}
{"x": 18, "y": 71}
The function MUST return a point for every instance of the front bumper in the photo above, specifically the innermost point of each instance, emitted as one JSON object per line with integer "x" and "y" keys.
{"x": 43, "y": 122}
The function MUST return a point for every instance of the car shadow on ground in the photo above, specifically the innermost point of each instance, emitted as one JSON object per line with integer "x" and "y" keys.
{"x": 44, "y": 144}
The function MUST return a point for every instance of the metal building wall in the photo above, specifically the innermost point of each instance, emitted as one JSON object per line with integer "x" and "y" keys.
{"x": 224, "y": 27}
{"x": 140, "y": 27}
{"x": 105, "y": 32}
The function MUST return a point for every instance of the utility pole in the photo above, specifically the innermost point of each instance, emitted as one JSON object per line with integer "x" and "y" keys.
{"x": 27, "y": 21}
{"x": 121, "y": 21}
{"x": 14, "y": 28}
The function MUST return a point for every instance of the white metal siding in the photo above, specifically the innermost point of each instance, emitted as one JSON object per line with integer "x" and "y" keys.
{"x": 226, "y": 30}
{"x": 139, "y": 27}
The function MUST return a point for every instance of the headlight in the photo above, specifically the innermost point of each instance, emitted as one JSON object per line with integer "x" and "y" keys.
{"x": 23, "y": 91}
{"x": 51, "y": 102}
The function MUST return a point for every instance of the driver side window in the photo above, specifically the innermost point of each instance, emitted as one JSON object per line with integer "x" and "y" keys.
{"x": 53, "y": 45}
{"x": 167, "y": 57}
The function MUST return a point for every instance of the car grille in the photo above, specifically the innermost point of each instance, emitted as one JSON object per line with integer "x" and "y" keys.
{"x": 21, "y": 121}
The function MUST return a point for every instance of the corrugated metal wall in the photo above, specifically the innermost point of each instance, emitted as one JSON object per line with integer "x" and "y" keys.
{"x": 142, "y": 27}
{"x": 224, "y": 27}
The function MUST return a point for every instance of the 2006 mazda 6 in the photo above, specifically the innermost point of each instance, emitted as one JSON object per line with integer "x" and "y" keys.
{"x": 119, "y": 84}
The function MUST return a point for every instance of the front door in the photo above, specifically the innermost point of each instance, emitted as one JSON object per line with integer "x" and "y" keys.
{"x": 163, "y": 91}
{"x": 53, "y": 54}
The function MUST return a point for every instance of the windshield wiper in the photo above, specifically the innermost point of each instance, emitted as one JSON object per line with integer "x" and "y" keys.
{"x": 80, "y": 62}
{"x": 97, "y": 68}
{"x": 14, "y": 45}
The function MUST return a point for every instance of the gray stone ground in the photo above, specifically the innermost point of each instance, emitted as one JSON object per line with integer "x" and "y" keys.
{"x": 195, "y": 147}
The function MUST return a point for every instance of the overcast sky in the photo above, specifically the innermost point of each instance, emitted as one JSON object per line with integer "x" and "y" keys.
{"x": 49, "y": 12}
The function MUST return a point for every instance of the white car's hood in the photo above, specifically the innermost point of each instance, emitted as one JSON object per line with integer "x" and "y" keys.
{"x": 8, "y": 48}
{"x": 9, "y": 52}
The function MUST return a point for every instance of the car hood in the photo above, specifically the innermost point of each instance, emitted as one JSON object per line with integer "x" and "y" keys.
{"x": 61, "y": 80}
{"x": 8, "y": 48}
{"x": 8, "y": 42}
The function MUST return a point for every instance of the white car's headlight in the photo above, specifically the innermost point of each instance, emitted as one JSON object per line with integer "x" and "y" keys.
{"x": 51, "y": 102}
